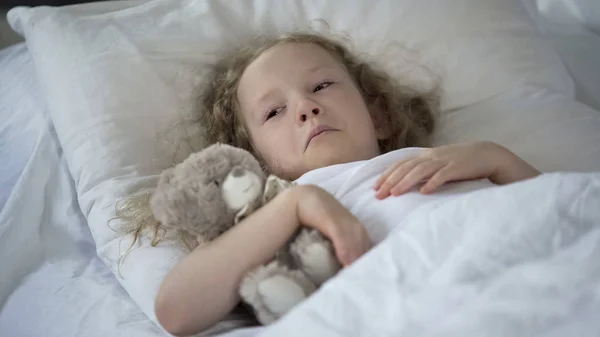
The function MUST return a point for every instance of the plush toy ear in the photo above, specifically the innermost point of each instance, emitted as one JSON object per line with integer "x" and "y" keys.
{"x": 201, "y": 240}
{"x": 175, "y": 200}
{"x": 165, "y": 201}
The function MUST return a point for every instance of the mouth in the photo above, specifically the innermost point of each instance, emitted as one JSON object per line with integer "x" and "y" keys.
{"x": 316, "y": 131}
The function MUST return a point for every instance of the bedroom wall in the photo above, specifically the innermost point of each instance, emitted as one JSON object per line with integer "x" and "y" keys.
{"x": 7, "y": 36}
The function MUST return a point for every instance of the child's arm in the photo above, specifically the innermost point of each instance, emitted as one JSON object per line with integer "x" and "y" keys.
{"x": 458, "y": 162}
{"x": 203, "y": 287}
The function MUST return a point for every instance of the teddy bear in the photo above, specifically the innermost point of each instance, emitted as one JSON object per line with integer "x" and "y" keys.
{"x": 217, "y": 187}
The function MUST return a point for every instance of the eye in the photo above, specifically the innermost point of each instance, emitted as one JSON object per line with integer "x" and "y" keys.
{"x": 216, "y": 183}
{"x": 322, "y": 86}
{"x": 273, "y": 112}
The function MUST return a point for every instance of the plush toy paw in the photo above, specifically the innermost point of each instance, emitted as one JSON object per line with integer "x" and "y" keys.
{"x": 315, "y": 256}
{"x": 273, "y": 290}
{"x": 273, "y": 186}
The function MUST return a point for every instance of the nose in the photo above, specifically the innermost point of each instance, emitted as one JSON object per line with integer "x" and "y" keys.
{"x": 307, "y": 110}
{"x": 237, "y": 172}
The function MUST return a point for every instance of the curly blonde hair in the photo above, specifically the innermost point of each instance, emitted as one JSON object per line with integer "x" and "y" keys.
{"x": 410, "y": 114}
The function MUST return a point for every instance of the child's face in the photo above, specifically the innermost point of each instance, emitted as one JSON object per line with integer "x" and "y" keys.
{"x": 303, "y": 111}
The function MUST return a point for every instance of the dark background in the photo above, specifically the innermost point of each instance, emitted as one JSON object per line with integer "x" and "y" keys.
{"x": 6, "y": 4}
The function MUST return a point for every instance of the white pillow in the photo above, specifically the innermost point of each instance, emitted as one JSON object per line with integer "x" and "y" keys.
{"x": 117, "y": 77}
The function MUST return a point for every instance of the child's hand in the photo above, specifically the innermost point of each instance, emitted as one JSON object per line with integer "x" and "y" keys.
{"x": 444, "y": 164}
{"x": 318, "y": 209}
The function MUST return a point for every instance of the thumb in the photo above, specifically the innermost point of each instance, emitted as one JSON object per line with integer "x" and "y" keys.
{"x": 341, "y": 252}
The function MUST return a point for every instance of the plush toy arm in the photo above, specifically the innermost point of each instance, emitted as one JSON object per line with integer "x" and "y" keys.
{"x": 273, "y": 186}
{"x": 314, "y": 255}
{"x": 273, "y": 290}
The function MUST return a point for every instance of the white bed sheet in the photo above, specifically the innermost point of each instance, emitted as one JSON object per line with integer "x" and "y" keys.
{"x": 19, "y": 100}
{"x": 59, "y": 288}
{"x": 64, "y": 288}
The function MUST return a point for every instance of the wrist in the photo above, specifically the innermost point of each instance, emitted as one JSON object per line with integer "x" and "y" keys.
{"x": 297, "y": 196}
{"x": 289, "y": 200}
{"x": 308, "y": 200}
{"x": 510, "y": 167}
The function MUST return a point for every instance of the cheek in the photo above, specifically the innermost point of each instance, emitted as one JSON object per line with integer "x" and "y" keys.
{"x": 351, "y": 98}
{"x": 357, "y": 111}
{"x": 270, "y": 142}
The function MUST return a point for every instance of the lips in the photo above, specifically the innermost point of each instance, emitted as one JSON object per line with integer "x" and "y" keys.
{"x": 319, "y": 129}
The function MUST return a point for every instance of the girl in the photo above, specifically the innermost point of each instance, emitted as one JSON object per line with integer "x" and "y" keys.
{"x": 301, "y": 103}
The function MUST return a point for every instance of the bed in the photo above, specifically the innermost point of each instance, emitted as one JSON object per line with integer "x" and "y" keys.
{"x": 59, "y": 277}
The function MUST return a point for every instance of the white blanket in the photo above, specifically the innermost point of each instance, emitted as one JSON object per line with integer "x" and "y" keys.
{"x": 352, "y": 184}
{"x": 515, "y": 260}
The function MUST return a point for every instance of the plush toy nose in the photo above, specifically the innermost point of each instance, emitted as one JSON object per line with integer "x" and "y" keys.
{"x": 240, "y": 187}
{"x": 237, "y": 172}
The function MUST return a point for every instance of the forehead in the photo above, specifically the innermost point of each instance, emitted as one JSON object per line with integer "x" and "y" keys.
{"x": 284, "y": 62}
{"x": 288, "y": 60}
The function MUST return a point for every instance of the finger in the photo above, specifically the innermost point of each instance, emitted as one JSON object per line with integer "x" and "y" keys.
{"x": 350, "y": 254}
{"x": 389, "y": 171}
{"x": 357, "y": 246}
{"x": 343, "y": 257}
{"x": 340, "y": 246}
{"x": 397, "y": 175}
{"x": 353, "y": 250}
{"x": 341, "y": 252}
{"x": 419, "y": 173}
{"x": 438, "y": 179}
{"x": 364, "y": 241}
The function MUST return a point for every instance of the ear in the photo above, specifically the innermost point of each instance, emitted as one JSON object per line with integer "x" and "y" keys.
{"x": 381, "y": 122}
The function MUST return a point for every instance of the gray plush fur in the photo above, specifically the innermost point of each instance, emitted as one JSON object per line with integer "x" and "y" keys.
{"x": 190, "y": 197}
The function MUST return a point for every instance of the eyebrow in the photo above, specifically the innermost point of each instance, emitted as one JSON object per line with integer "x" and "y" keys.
{"x": 310, "y": 70}
{"x": 266, "y": 95}
{"x": 318, "y": 67}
